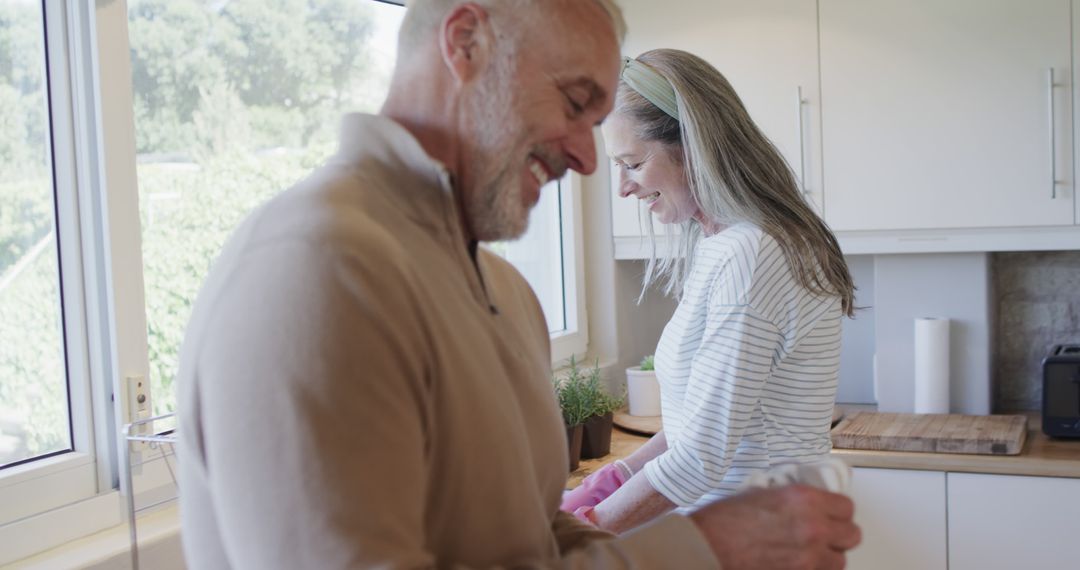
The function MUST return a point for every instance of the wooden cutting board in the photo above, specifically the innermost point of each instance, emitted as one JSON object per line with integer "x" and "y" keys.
{"x": 935, "y": 433}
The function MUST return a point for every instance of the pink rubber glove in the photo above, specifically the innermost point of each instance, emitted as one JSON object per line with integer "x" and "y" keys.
{"x": 596, "y": 487}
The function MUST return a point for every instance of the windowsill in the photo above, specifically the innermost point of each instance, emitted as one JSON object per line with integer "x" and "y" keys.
{"x": 75, "y": 520}
{"x": 111, "y": 547}
{"x": 45, "y": 484}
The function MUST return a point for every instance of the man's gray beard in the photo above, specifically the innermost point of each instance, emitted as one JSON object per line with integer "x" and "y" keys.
{"x": 496, "y": 211}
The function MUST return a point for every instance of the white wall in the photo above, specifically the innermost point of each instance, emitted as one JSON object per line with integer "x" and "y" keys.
{"x": 955, "y": 286}
{"x": 857, "y": 343}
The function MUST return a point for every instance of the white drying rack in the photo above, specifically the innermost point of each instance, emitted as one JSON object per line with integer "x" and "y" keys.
{"x": 164, "y": 443}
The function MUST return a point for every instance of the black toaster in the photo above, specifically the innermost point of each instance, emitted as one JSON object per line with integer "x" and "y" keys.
{"x": 1061, "y": 391}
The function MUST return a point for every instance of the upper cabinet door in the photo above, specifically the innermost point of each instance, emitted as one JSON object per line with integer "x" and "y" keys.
{"x": 943, "y": 113}
{"x": 767, "y": 49}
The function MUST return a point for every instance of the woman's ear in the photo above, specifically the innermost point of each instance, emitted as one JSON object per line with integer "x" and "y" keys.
{"x": 465, "y": 41}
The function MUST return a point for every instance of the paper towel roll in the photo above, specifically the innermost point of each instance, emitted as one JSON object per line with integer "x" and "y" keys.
{"x": 931, "y": 365}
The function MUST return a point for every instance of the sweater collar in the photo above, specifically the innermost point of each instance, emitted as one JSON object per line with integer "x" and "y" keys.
{"x": 423, "y": 185}
{"x": 382, "y": 139}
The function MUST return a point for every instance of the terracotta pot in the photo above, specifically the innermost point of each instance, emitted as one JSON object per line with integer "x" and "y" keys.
{"x": 573, "y": 441}
{"x": 596, "y": 437}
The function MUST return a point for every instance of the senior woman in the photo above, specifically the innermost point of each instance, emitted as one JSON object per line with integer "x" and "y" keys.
{"x": 748, "y": 365}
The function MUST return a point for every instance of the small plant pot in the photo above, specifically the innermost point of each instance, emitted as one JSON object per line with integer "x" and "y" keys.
{"x": 573, "y": 441}
{"x": 596, "y": 437}
{"x": 642, "y": 391}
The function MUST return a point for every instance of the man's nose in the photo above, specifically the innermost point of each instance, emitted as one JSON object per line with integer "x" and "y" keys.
{"x": 580, "y": 149}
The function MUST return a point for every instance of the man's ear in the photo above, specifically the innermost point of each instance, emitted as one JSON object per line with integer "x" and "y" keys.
{"x": 465, "y": 41}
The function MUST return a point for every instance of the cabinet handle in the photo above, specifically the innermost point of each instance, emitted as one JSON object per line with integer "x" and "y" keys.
{"x": 799, "y": 102}
{"x": 1050, "y": 85}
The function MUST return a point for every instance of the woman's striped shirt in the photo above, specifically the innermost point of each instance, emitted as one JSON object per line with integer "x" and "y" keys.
{"x": 748, "y": 368}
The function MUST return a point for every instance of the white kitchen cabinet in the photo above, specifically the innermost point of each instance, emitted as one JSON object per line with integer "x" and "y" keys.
{"x": 938, "y": 114}
{"x": 998, "y": 521}
{"x": 767, "y": 49}
{"x": 902, "y": 517}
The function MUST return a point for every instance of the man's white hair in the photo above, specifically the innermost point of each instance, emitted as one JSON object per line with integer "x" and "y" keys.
{"x": 422, "y": 16}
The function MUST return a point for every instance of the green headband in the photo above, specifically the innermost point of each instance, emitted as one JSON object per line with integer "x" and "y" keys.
{"x": 650, "y": 85}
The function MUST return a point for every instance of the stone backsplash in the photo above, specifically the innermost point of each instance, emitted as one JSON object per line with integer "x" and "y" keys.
{"x": 1037, "y": 296}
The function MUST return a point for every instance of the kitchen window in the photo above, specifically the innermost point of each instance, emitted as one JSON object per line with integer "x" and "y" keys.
{"x": 138, "y": 135}
{"x": 235, "y": 102}
{"x": 228, "y": 112}
{"x": 52, "y": 369}
{"x": 549, "y": 255}
{"x": 34, "y": 418}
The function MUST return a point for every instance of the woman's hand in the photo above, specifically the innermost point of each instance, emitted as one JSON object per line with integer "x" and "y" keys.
{"x": 595, "y": 488}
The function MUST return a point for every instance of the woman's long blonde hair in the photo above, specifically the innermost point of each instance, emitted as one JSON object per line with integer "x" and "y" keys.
{"x": 735, "y": 175}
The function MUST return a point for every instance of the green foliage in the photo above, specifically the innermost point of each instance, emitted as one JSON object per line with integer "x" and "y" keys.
{"x": 26, "y": 217}
{"x": 184, "y": 228}
{"x": 23, "y": 145}
{"x": 172, "y": 58}
{"x": 21, "y": 45}
{"x": 267, "y": 72}
{"x": 26, "y": 191}
{"x": 23, "y": 119}
{"x": 33, "y": 385}
{"x": 647, "y": 363}
{"x": 235, "y": 102}
{"x": 573, "y": 399}
{"x": 581, "y": 394}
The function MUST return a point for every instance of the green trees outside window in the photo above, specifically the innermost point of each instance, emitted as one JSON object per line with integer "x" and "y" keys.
{"x": 235, "y": 100}
{"x": 33, "y": 384}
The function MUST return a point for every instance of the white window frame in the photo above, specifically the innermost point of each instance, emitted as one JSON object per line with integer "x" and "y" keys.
{"x": 51, "y": 482}
{"x": 574, "y": 341}
{"x": 54, "y": 500}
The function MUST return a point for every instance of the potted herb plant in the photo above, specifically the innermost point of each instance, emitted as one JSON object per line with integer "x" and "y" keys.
{"x": 642, "y": 389}
{"x": 575, "y": 403}
{"x": 596, "y": 436}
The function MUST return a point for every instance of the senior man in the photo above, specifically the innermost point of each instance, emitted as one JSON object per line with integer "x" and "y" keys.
{"x": 361, "y": 386}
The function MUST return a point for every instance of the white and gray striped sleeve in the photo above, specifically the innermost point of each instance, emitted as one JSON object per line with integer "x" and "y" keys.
{"x": 727, "y": 374}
